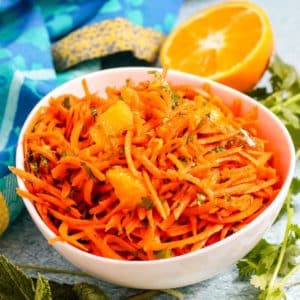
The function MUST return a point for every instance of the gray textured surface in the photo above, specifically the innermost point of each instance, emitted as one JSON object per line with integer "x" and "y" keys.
{"x": 23, "y": 243}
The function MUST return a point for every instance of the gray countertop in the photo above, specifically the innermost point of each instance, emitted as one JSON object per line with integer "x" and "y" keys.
{"x": 24, "y": 244}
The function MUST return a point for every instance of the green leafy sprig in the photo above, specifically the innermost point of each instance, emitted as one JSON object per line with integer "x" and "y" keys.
{"x": 266, "y": 262}
{"x": 16, "y": 285}
{"x": 283, "y": 98}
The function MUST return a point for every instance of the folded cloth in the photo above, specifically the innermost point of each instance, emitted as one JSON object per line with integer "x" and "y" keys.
{"x": 27, "y": 31}
{"x": 105, "y": 38}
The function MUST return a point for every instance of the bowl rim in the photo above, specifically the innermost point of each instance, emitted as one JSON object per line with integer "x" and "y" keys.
{"x": 48, "y": 233}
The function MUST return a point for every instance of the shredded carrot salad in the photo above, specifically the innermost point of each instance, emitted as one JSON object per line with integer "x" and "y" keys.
{"x": 152, "y": 171}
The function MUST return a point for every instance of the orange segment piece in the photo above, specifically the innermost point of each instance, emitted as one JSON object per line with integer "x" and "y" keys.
{"x": 129, "y": 190}
{"x": 230, "y": 42}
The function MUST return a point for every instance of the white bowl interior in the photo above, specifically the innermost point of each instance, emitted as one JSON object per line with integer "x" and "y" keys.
{"x": 196, "y": 266}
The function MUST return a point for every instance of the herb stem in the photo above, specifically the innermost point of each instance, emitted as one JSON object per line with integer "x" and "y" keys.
{"x": 283, "y": 247}
{"x": 298, "y": 154}
{"x": 144, "y": 296}
{"x": 288, "y": 275}
{"x": 293, "y": 283}
{"x": 291, "y": 100}
{"x": 174, "y": 293}
{"x": 54, "y": 270}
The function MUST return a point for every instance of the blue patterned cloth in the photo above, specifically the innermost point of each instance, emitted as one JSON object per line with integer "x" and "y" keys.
{"x": 27, "y": 29}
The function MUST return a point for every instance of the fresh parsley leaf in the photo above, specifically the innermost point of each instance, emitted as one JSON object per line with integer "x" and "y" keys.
{"x": 274, "y": 294}
{"x": 44, "y": 161}
{"x": 94, "y": 111}
{"x": 283, "y": 75}
{"x": 163, "y": 253}
{"x": 259, "y": 93}
{"x": 190, "y": 138}
{"x": 43, "y": 290}
{"x": 146, "y": 202}
{"x": 219, "y": 149}
{"x": 66, "y": 103}
{"x": 174, "y": 99}
{"x": 64, "y": 153}
{"x": 260, "y": 281}
{"x": 266, "y": 262}
{"x": 88, "y": 170}
{"x": 258, "y": 261}
{"x": 284, "y": 97}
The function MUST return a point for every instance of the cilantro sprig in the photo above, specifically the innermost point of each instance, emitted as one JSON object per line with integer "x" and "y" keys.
{"x": 270, "y": 266}
{"x": 283, "y": 96}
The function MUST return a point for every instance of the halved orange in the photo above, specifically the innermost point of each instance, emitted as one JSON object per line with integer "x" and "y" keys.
{"x": 230, "y": 42}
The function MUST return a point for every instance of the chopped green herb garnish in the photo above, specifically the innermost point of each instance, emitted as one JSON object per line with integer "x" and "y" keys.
{"x": 44, "y": 161}
{"x": 66, "y": 103}
{"x": 94, "y": 111}
{"x": 190, "y": 138}
{"x": 146, "y": 202}
{"x": 174, "y": 99}
{"x": 269, "y": 266}
{"x": 200, "y": 198}
{"x": 219, "y": 149}
{"x": 64, "y": 153}
{"x": 34, "y": 166}
{"x": 88, "y": 170}
{"x": 163, "y": 253}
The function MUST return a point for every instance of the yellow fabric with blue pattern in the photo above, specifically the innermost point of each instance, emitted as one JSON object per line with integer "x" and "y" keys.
{"x": 4, "y": 214}
{"x": 105, "y": 38}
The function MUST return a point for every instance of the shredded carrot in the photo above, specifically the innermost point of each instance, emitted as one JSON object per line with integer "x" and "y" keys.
{"x": 153, "y": 168}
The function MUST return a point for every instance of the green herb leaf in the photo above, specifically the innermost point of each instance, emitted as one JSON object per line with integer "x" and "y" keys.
{"x": 88, "y": 170}
{"x": 63, "y": 153}
{"x": 43, "y": 290}
{"x": 268, "y": 261}
{"x": 146, "y": 202}
{"x": 284, "y": 97}
{"x": 44, "y": 161}
{"x": 293, "y": 191}
{"x": 163, "y": 253}
{"x": 87, "y": 291}
{"x": 190, "y": 138}
{"x": 66, "y": 103}
{"x": 14, "y": 284}
{"x": 174, "y": 99}
{"x": 259, "y": 260}
{"x": 218, "y": 149}
{"x": 275, "y": 294}
{"x": 260, "y": 281}
{"x": 94, "y": 111}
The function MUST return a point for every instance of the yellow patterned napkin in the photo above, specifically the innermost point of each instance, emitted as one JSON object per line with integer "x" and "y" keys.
{"x": 105, "y": 38}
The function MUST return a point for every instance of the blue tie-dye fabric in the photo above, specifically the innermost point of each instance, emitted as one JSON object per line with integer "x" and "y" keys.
{"x": 27, "y": 29}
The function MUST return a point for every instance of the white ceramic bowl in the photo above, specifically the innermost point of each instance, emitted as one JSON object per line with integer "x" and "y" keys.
{"x": 201, "y": 264}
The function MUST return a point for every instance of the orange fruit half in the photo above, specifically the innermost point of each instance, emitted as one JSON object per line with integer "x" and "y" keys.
{"x": 230, "y": 42}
